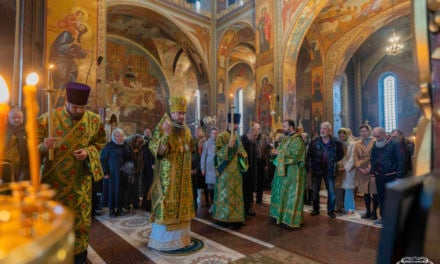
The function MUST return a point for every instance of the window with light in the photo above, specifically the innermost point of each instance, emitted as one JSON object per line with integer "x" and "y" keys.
{"x": 197, "y": 108}
{"x": 388, "y": 103}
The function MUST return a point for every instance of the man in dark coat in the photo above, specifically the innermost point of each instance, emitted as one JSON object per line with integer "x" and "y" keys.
{"x": 148, "y": 172}
{"x": 387, "y": 165}
{"x": 250, "y": 176}
{"x": 323, "y": 154}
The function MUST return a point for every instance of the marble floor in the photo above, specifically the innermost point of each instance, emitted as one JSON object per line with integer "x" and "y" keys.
{"x": 346, "y": 239}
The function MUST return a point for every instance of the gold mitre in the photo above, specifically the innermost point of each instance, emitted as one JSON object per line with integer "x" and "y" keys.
{"x": 177, "y": 104}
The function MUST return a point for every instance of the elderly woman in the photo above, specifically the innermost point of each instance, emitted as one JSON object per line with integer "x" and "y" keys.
{"x": 113, "y": 156}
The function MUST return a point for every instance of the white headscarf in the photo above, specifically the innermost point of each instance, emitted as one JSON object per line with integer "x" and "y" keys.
{"x": 117, "y": 131}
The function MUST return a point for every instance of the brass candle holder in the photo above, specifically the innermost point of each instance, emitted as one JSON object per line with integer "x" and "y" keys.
{"x": 33, "y": 228}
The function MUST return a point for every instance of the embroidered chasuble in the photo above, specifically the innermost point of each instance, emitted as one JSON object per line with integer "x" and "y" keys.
{"x": 228, "y": 203}
{"x": 287, "y": 199}
{"x": 171, "y": 192}
{"x": 69, "y": 177}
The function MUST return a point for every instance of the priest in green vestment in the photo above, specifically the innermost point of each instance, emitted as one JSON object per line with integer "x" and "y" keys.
{"x": 171, "y": 192}
{"x": 77, "y": 138}
{"x": 287, "y": 199}
{"x": 230, "y": 162}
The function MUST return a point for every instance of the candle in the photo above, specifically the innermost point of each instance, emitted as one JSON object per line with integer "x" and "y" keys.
{"x": 4, "y": 109}
{"x": 232, "y": 113}
{"x": 49, "y": 108}
{"x": 30, "y": 95}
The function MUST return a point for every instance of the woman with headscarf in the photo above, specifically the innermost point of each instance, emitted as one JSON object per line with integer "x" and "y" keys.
{"x": 113, "y": 156}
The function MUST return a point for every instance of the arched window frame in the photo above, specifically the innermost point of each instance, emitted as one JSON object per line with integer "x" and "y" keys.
{"x": 239, "y": 108}
{"x": 197, "y": 108}
{"x": 387, "y": 124}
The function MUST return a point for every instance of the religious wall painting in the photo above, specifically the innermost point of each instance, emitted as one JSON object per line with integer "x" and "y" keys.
{"x": 317, "y": 84}
{"x": 335, "y": 20}
{"x": 144, "y": 99}
{"x": 193, "y": 56}
{"x": 266, "y": 99}
{"x": 167, "y": 51}
{"x": 289, "y": 92}
{"x": 199, "y": 33}
{"x": 224, "y": 47}
{"x": 264, "y": 16}
{"x": 298, "y": 34}
{"x": 130, "y": 128}
{"x": 221, "y": 92}
{"x": 288, "y": 11}
{"x": 317, "y": 118}
{"x": 222, "y": 121}
{"x": 315, "y": 46}
{"x": 71, "y": 44}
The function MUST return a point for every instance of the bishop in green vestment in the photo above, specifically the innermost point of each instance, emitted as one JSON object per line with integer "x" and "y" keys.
{"x": 78, "y": 137}
{"x": 171, "y": 192}
{"x": 287, "y": 199}
{"x": 230, "y": 161}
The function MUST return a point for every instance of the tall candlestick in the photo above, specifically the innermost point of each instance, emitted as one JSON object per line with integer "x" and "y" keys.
{"x": 49, "y": 91}
{"x": 30, "y": 95}
{"x": 232, "y": 113}
{"x": 4, "y": 109}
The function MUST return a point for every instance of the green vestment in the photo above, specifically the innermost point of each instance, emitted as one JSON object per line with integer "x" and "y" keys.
{"x": 228, "y": 203}
{"x": 171, "y": 192}
{"x": 69, "y": 177}
{"x": 287, "y": 199}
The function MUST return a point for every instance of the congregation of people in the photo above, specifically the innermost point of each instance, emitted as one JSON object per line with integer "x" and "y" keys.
{"x": 170, "y": 173}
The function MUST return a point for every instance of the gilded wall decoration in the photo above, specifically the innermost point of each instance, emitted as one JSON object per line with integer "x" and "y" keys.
{"x": 142, "y": 100}
{"x": 266, "y": 97}
{"x": 288, "y": 11}
{"x": 347, "y": 45}
{"x": 336, "y": 20}
{"x": 264, "y": 25}
{"x": 71, "y": 43}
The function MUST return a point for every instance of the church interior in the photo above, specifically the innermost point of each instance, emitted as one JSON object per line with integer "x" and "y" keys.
{"x": 348, "y": 62}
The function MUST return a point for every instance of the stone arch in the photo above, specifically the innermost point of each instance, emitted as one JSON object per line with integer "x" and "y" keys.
{"x": 334, "y": 64}
{"x": 163, "y": 19}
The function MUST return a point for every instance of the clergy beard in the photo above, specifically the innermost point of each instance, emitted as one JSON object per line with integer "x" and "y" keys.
{"x": 76, "y": 117}
{"x": 381, "y": 143}
{"x": 178, "y": 130}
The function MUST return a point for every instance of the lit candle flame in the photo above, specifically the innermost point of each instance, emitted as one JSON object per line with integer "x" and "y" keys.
{"x": 4, "y": 91}
{"x": 32, "y": 79}
{"x": 51, "y": 66}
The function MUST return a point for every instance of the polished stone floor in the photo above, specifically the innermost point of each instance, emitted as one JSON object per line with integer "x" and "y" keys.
{"x": 320, "y": 240}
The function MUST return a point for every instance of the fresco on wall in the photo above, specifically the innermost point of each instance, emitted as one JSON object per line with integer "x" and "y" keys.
{"x": 264, "y": 25}
{"x": 224, "y": 47}
{"x": 265, "y": 95}
{"x": 313, "y": 38}
{"x": 201, "y": 34}
{"x": 221, "y": 93}
{"x": 317, "y": 85}
{"x": 167, "y": 51}
{"x": 289, "y": 93}
{"x": 301, "y": 26}
{"x": 71, "y": 28}
{"x": 304, "y": 89}
{"x": 289, "y": 9}
{"x": 335, "y": 20}
{"x": 142, "y": 101}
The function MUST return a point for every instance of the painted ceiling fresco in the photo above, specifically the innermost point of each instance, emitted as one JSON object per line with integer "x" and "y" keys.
{"x": 342, "y": 15}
